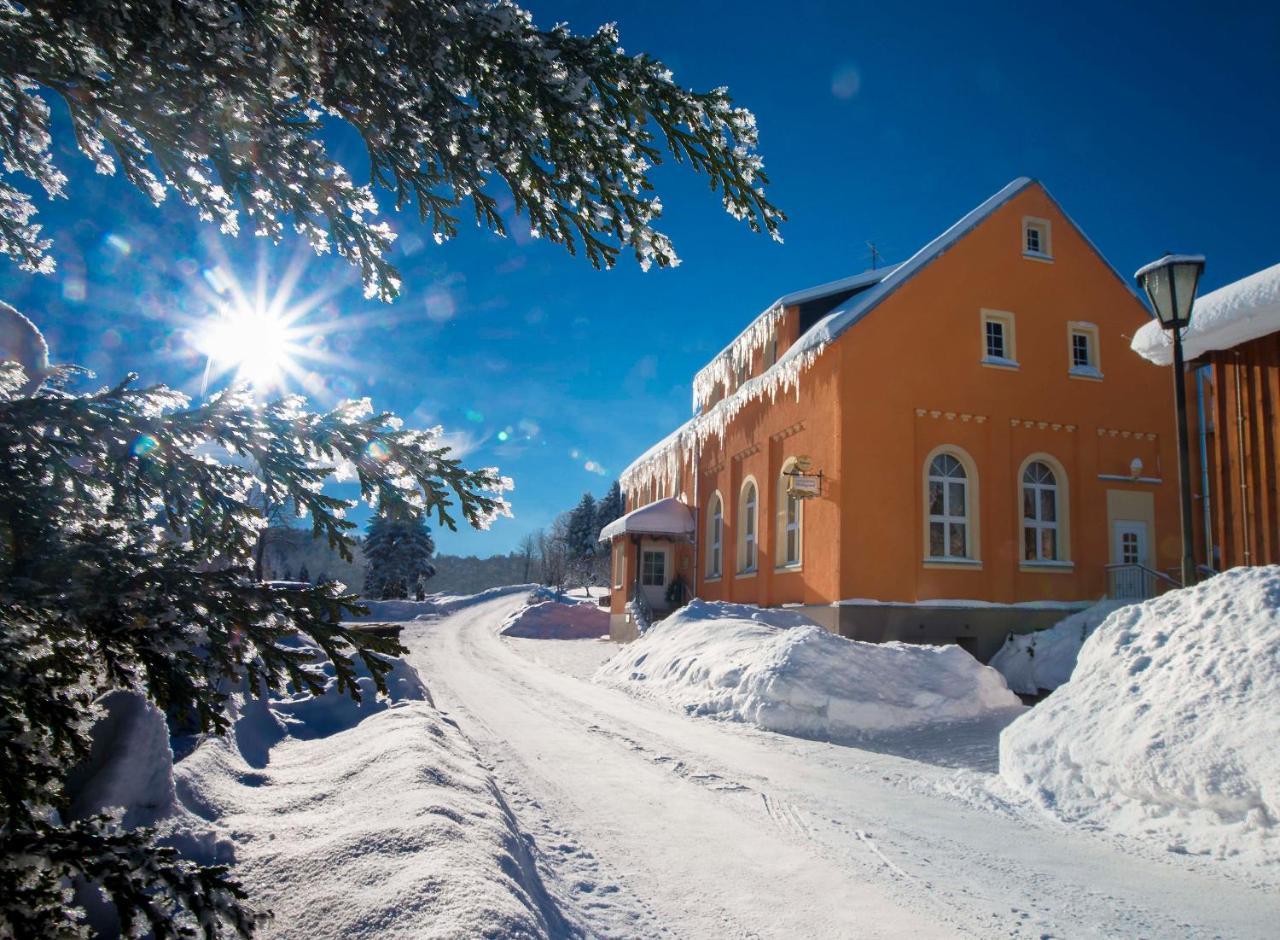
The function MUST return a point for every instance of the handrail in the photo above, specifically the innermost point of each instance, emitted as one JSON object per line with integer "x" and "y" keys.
{"x": 1151, "y": 571}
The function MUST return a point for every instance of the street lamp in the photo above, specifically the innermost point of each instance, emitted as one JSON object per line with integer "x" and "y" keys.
{"x": 1170, "y": 285}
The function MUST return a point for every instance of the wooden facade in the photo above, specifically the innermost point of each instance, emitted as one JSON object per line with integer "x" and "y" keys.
{"x": 1235, "y": 426}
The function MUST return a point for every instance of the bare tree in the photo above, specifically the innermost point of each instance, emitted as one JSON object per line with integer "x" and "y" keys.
{"x": 528, "y": 551}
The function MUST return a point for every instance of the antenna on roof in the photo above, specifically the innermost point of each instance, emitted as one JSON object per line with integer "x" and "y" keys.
{"x": 875, "y": 254}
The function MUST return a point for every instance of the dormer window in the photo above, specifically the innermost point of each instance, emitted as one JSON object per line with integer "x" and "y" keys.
{"x": 1036, "y": 239}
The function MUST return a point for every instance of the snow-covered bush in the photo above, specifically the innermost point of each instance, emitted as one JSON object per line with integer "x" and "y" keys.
{"x": 1043, "y": 660}
{"x": 780, "y": 671}
{"x": 1168, "y": 727}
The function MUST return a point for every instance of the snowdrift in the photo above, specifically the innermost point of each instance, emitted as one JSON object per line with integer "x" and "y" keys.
{"x": 780, "y": 671}
{"x": 556, "y": 620}
{"x": 374, "y": 819}
{"x": 1168, "y": 727}
{"x": 1042, "y": 661}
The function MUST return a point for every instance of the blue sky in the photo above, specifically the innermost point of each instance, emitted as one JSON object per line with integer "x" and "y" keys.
{"x": 1155, "y": 127}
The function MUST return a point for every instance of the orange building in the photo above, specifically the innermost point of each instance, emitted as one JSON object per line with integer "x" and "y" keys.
{"x": 941, "y": 451}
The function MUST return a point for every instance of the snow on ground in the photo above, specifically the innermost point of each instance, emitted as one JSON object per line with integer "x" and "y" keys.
{"x": 1167, "y": 730}
{"x": 435, "y": 605}
{"x": 369, "y": 820}
{"x": 1043, "y": 660}
{"x": 779, "y": 671}
{"x": 557, "y": 620}
{"x": 645, "y": 822}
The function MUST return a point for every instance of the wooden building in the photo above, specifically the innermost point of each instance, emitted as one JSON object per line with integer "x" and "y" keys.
{"x": 1232, "y": 347}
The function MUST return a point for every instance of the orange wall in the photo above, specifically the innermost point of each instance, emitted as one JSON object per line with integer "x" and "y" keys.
{"x": 999, "y": 416}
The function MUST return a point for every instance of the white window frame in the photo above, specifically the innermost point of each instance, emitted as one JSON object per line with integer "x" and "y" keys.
{"x": 715, "y": 537}
{"x": 620, "y": 564}
{"x": 1009, "y": 336}
{"x": 748, "y": 527}
{"x": 1092, "y": 369}
{"x": 1035, "y": 523}
{"x": 790, "y": 520}
{"x": 948, "y": 517}
{"x": 1044, "y": 237}
{"x": 645, "y": 555}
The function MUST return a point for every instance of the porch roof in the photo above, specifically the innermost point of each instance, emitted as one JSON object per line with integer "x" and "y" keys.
{"x": 665, "y": 517}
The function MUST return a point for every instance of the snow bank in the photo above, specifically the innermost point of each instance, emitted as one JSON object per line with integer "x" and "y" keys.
{"x": 1241, "y": 311}
{"x": 780, "y": 671}
{"x": 374, "y": 819}
{"x": 1043, "y": 660}
{"x": 1168, "y": 727}
{"x": 556, "y": 620}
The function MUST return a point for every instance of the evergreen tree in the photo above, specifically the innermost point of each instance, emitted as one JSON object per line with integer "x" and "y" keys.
{"x": 228, "y": 103}
{"x": 580, "y": 538}
{"x": 126, "y": 550}
{"x": 397, "y": 554}
{"x": 611, "y": 507}
{"x": 304, "y": 574}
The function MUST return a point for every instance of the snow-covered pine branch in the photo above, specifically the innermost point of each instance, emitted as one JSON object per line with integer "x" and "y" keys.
{"x": 227, "y": 103}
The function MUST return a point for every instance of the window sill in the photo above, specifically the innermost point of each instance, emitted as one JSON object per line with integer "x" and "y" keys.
{"x": 999, "y": 362}
{"x": 784, "y": 569}
{"x": 966, "y": 564}
{"x": 1038, "y": 256}
{"x": 711, "y": 579}
{"x": 1048, "y": 567}
{"x": 749, "y": 573}
{"x": 1085, "y": 372}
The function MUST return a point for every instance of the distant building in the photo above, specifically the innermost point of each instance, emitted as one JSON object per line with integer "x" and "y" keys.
{"x": 1232, "y": 349}
{"x": 942, "y": 450}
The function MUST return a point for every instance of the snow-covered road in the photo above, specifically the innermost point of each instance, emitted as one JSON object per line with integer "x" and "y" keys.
{"x": 650, "y": 823}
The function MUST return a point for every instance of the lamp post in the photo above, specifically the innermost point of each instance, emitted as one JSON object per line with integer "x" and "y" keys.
{"x": 1170, "y": 284}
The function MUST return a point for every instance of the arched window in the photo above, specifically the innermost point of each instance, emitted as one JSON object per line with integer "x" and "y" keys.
{"x": 947, "y": 502}
{"x": 790, "y": 520}
{"x": 1040, "y": 537}
{"x": 747, "y": 527}
{"x": 715, "y": 536}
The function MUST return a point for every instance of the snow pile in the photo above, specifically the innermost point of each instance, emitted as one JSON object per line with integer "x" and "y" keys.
{"x": 1237, "y": 313}
{"x": 369, "y": 820}
{"x": 1168, "y": 727}
{"x": 1042, "y": 661}
{"x": 556, "y": 620}
{"x": 780, "y": 671}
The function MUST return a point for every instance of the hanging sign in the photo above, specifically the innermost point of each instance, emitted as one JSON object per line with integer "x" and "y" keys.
{"x": 805, "y": 485}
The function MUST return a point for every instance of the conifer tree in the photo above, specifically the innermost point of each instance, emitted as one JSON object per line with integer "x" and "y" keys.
{"x": 227, "y": 103}
{"x": 397, "y": 554}
{"x": 126, "y": 551}
{"x": 611, "y": 507}
{"x": 581, "y": 534}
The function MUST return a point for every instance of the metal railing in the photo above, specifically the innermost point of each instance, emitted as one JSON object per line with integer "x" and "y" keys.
{"x": 1136, "y": 582}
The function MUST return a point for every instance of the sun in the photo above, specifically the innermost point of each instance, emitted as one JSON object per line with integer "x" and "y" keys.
{"x": 259, "y": 343}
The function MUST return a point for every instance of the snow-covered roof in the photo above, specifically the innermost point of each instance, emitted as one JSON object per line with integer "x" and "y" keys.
{"x": 759, "y": 330}
{"x": 665, "y": 517}
{"x": 1237, "y": 313}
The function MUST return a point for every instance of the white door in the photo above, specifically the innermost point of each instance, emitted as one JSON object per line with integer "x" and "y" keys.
{"x": 1129, "y": 547}
{"x": 655, "y": 574}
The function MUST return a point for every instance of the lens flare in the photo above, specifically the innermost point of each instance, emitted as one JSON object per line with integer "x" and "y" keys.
{"x": 143, "y": 445}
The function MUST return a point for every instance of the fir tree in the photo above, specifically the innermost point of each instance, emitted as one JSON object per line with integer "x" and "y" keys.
{"x": 397, "y": 554}
{"x": 126, "y": 550}
{"x": 303, "y": 573}
{"x": 580, "y": 538}
{"x": 611, "y": 507}
{"x": 226, "y": 103}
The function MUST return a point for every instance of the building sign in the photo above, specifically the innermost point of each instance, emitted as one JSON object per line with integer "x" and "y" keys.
{"x": 805, "y": 484}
